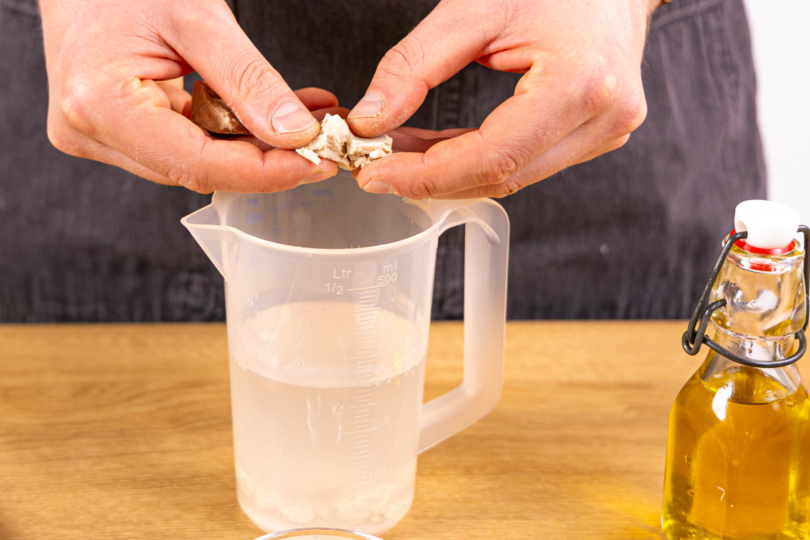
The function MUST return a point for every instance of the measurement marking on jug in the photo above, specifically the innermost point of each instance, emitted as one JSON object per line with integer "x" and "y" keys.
{"x": 369, "y": 320}
{"x": 370, "y": 287}
{"x": 334, "y": 288}
{"x": 365, "y": 333}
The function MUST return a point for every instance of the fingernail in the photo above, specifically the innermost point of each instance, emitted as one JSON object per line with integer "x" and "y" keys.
{"x": 319, "y": 176}
{"x": 370, "y": 105}
{"x": 290, "y": 117}
{"x": 378, "y": 186}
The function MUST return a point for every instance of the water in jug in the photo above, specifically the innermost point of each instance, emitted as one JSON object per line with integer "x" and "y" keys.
{"x": 328, "y": 297}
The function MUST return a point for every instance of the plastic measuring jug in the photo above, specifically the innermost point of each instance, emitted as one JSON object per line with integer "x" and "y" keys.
{"x": 328, "y": 294}
{"x": 318, "y": 534}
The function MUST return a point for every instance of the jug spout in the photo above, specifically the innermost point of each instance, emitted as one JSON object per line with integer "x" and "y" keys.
{"x": 207, "y": 229}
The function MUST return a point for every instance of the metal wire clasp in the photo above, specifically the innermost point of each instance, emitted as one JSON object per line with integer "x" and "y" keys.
{"x": 695, "y": 335}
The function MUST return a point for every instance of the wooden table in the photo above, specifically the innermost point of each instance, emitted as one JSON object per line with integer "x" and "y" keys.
{"x": 123, "y": 432}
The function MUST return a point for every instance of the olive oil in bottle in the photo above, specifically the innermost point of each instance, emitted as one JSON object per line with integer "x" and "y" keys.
{"x": 738, "y": 449}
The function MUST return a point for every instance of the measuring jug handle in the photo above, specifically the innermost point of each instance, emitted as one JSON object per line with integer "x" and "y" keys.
{"x": 486, "y": 254}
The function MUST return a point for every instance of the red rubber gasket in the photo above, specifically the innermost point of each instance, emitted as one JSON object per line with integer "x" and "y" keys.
{"x": 761, "y": 251}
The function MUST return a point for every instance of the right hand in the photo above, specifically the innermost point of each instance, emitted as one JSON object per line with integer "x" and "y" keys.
{"x": 113, "y": 67}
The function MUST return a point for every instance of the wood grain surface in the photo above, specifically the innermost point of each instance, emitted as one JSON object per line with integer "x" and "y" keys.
{"x": 123, "y": 432}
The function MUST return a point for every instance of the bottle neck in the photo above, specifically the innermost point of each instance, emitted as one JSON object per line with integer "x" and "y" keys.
{"x": 747, "y": 384}
{"x": 761, "y": 349}
{"x": 764, "y": 308}
{"x": 764, "y": 294}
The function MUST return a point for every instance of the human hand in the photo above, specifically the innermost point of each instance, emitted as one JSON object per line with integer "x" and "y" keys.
{"x": 114, "y": 96}
{"x": 580, "y": 97}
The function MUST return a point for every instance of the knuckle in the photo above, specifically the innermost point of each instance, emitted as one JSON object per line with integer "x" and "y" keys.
{"x": 407, "y": 56}
{"x": 189, "y": 175}
{"x": 254, "y": 79}
{"x": 74, "y": 106}
{"x": 600, "y": 91}
{"x": 509, "y": 187}
{"x": 193, "y": 180}
{"x": 621, "y": 141}
{"x": 498, "y": 167}
{"x": 424, "y": 188}
{"x": 64, "y": 141}
{"x": 630, "y": 114}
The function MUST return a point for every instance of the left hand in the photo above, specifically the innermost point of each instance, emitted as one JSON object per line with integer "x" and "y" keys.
{"x": 580, "y": 97}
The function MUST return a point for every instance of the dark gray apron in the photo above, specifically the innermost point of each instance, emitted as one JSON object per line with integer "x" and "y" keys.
{"x": 631, "y": 234}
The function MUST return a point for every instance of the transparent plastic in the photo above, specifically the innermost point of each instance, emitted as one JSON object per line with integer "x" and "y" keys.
{"x": 318, "y": 534}
{"x": 328, "y": 296}
{"x": 739, "y": 437}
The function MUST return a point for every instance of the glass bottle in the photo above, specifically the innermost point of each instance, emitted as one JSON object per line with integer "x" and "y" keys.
{"x": 738, "y": 449}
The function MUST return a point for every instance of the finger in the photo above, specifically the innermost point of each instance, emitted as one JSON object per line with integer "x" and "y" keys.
{"x": 92, "y": 149}
{"x": 109, "y": 156}
{"x": 317, "y": 113}
{"x": 407, "y": 139}
{"x": 434, "y": 134}
{"x": 542, "y": 112}
{"x": 615, "y": 144}
{"x": 316, "y": 98}
{"x": 433, "y": 52}
{"x": 211, "y": 41}
{"x": 574, "y": 149}
{"x": 258, "y": 143}
{"x": 148, "y": 132}
{"x": 77, "y": 144}
{"x": 176, "y": 82}
{"x": 179, "y": 98}
{"x": 403, "y": 142}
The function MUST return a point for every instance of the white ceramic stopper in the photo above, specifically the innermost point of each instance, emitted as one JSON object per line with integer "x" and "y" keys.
{"x": 770, "y": 225}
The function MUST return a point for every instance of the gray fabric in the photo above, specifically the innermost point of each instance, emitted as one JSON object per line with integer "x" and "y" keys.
{"x": 631, "y": 234}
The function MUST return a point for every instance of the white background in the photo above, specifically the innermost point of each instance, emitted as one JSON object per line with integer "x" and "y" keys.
{"x": 781, "y": 35}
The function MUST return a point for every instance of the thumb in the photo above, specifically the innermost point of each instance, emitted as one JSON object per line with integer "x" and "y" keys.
{"x": 212, "y": 43}
{"x": 433, "y": 52}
